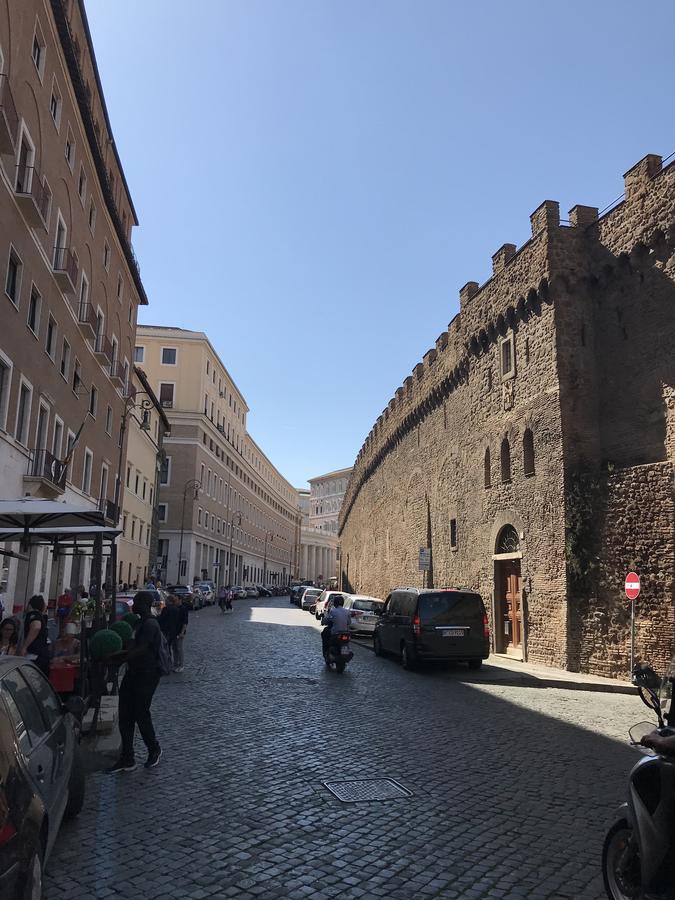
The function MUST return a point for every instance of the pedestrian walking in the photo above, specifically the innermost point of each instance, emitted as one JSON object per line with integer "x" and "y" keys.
{"x": 35, "y": 633}
{"x": 168, "y": 622}
{"x": 222, "y": 597}
{"x": 138, "y": 687}
{"x": 178, "y": 652}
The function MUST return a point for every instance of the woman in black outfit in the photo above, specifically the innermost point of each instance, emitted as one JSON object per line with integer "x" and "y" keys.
{"x": 35, "y": 633}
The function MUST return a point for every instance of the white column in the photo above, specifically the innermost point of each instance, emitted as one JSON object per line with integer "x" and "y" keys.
{"x": 303, "y": 564}
{"x": 324, "y": 563}
{"x": 312, "y": 562}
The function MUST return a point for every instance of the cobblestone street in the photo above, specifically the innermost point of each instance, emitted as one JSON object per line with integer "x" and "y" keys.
{"x": 512, "y": 787}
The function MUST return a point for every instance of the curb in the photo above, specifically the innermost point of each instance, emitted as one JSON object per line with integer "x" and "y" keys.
{"x": 514, "y": 678}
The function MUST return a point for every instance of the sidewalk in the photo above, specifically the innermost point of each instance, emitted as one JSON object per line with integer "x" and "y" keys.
{"x": 499, "y": 669}
{"x": 512, "y": 671}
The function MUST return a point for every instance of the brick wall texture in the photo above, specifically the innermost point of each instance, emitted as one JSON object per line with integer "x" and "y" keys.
{"x": 567, "y": 351}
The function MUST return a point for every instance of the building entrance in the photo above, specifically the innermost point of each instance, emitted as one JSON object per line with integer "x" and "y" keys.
{"x": 508, "y": 593}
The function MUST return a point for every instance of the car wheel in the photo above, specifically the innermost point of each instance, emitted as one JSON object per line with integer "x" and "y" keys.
{"x": 32, "y": 888}
{"x": 406, "y": 660}
{"x": 475, "y": 663}
{"x": 76, "y": 787}
{"x": 377, "y": 646}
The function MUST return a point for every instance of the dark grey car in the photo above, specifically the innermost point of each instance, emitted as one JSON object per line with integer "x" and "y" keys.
{"x": 433, "y": 625}
{"x": 41, "y": 775}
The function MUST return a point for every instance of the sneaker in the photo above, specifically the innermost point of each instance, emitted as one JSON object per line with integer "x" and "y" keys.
{"x": 154, "y": 757}
{"x": 122, "y": 766}
{"x": 179, "y": 669}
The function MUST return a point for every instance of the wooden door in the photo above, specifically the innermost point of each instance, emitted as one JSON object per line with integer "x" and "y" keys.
{"x": 512, "y": 585}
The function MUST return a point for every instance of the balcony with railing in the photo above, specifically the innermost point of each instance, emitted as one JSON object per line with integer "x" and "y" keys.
{"x": 9, "y": 118}
{"x": 45, "y": 473}
{"x": 103, "y": 349}
{"x": 110, "y": 510}
{"x": 33, "y": 195}
{"x": 65, "y": 269}
{"x": 87, "y": 318}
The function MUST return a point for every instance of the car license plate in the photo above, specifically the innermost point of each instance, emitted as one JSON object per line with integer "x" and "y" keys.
{"x": 344, "y": 649}
{"x": 453, "y": 632}
{"x": 368, "y": 620}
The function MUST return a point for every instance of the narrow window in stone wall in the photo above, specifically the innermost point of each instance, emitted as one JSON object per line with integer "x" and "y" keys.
{"x": 506, "y": 461}
{"x": 453, "y": 534}
{"x": 528, "y": 452}
{"x": 487, "y": 474}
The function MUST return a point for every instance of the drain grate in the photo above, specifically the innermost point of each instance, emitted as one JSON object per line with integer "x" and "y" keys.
{"x": 367, "y": 790}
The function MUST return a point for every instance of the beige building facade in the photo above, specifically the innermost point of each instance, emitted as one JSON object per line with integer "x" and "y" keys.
{"x": 319, "y": 542}
{"x": 218, "y": 490}
{"x": 147, "y": 427}
{"x": 69, "y": 282}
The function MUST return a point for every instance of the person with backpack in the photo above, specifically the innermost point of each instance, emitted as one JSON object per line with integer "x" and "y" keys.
{"x": 146, "y": 661}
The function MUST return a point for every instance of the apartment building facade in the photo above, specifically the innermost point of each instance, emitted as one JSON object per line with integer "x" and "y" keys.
{"x": 225, "y": 512}
{"x": 319, "y": 542}
{"x": 70, "y": 284}
{"x": 139, "y": 521}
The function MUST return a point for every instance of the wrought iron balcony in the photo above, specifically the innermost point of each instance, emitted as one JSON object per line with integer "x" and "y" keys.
{"x": 87, "y": 318}
{"x": 33, "y": 195}
{"x": 9, "y": 119}
{"x": 109, "y": 509}
{"x": 49, "y": 471}
{"x": 65, "y": 269}
{"x": 103, "y": 349}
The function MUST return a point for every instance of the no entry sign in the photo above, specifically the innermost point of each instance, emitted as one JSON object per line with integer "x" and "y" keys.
{"x": 632, "y": 585}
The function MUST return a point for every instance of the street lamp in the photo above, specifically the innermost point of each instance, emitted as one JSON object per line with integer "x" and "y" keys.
{"x": 193, "y": 484}
{"x": 271, "y": 537}
{"x": 235, "y": 515}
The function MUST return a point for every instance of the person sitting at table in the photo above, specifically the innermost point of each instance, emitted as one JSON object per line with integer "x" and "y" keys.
{"x": 67, "y": 647}
{"x": 9, "y": 637}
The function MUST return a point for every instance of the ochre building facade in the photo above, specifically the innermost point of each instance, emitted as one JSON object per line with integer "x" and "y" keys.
{"x": 532, "y": 449}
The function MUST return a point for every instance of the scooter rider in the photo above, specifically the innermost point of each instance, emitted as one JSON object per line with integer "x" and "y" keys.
{"x": 337, "y": 620}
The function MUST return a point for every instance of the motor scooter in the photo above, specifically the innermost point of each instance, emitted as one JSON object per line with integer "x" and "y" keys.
{"x": 338, "y": 652}
{"x": 638, "y": 855}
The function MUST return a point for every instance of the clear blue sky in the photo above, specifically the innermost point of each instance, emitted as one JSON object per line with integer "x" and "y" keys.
{"x": 315, "y": 180}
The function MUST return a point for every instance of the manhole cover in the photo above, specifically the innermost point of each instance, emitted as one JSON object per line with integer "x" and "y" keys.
{"x": 367, "y": 790}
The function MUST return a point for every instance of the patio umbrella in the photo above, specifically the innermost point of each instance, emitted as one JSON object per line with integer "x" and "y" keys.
{"x": 26, "y": 514}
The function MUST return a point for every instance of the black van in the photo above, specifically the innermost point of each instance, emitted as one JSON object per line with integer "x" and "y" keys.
{"x": 435, "y": 625}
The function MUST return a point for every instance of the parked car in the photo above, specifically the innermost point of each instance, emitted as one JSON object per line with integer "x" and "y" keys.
{"x": 263, "y": 591}
{"x": 192, "y": 599}
{"x": 251, "y": 591}
{"x": 123, "y": 605}
{"x": 295, "y": 590}
{"x": 206, "y": 591}
{"x": 42, "y": 778}
{"x": 309, "y": 598}
{"x": 366, "y": 612}
{"x": 239, "y": 592}
{"x": 325, "y": 601}
{"x": 436, "y": 625}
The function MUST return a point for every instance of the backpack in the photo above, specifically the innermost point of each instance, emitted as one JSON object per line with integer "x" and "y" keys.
{"x": 164, "y": 660}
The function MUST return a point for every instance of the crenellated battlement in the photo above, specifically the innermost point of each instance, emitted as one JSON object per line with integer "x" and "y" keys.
{"x": 518, "y": 289}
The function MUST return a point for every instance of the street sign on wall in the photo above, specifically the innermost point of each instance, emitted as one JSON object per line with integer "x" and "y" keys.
{"x": 425, "y": 559}
{"x": 632, "y": 586}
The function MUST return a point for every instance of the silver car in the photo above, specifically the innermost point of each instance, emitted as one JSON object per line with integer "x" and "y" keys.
{"x": 309, "y": 598}
{"x": 365, "y": 613}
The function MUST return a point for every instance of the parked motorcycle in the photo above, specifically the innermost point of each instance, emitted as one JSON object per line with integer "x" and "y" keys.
{"x": 638, "y": 856}
{"x": 338, "y": 653}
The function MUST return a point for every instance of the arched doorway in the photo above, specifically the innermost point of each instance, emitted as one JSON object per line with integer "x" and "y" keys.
{"x": 508, "y": 593}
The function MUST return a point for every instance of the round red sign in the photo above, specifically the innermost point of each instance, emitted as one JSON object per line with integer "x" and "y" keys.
{"x": 632, "y": 585}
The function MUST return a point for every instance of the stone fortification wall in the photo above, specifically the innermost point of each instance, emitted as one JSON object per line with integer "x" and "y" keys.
{"x": 588, "y": 309}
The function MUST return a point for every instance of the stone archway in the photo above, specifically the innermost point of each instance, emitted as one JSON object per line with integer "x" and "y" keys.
{"x": 508, "y": 607}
